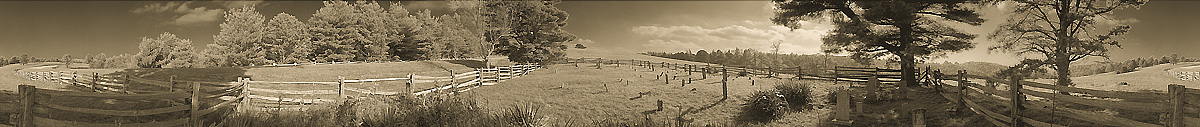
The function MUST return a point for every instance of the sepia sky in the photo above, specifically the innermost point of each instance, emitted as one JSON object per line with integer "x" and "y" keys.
{"x": 53, "y": 28}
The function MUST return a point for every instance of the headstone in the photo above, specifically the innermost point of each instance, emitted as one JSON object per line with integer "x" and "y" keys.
{"x": 842, "y": 109}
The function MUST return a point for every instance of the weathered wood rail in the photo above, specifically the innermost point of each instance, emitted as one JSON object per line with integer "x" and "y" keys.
{"x": 324, "y": 92}
{"x": 34, "y": 101}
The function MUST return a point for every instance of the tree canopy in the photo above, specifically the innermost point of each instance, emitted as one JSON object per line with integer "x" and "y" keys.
{"x": 907, "y": 31}
{"x": 1061, "y": 31}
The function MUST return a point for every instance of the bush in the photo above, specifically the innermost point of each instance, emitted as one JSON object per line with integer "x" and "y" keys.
{"x": 764, "y": 106}
{"x": 797, "y": 95}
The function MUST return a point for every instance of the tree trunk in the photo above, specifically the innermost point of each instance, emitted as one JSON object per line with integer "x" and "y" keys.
{"x": 907, "y": 65}
{"x": 1061, "y": 60}
{"x": 907, "y": 60}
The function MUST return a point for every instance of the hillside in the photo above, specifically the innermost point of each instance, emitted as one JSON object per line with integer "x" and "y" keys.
{"x": 1146, "y": 78}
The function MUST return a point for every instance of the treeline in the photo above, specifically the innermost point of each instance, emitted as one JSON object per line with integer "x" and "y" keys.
{"x": 1127, "y": 65}
{"x": 757, "y": 59}
{"x": 25, "y": 58}
{"x": 525, "y": 31}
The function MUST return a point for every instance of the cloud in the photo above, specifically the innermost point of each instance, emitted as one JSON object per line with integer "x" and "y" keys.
{"x": 755, "y": 35}
{"x": 585, "y": 42}
{"x": 184, "y": 14}
{"x": 671, "y": 46}
{"x": 239, "y": 3}
{"x": 198, "y": 15}
{"x": 1110, "y": 21}
{"x": 157, "y": 7}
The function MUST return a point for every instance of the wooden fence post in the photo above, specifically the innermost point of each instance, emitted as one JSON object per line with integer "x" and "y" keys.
{"x": 408, "y": 84}
{"x": 835, "y": 76}
{"x": 1176, "y": 93}
{"x": 171, "y": 86}
{"x": 962, "y": 92}
{"x": 245, "y": 94}
{"x": 341, "y": 83}
{"x": 770, "y": 73}
{"x": 195, "y": 117}
{"x": 1017, "y": 98}
{"x": 688, "y": 68}
{"x": 799, "y": 72}
{"x": 451, "y": 79}
{"x": 724, "y": 79}
{"x": 127, "y": 83}
{"x": 95, "y": 77}
{"x": 74, "y": 78}
{"x": 479, "y": 77}
{"x": 598, "y": 61}
{"x": 27, "y": 92}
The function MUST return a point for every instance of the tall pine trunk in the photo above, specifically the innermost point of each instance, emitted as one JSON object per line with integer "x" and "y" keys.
{"x": 907, "y": 61}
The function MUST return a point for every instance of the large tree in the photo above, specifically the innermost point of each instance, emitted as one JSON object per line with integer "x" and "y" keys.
{"x": 240, "y": 41}
{"x": 343, "y": 31}
{"x": 1061, "y": 31}
{"x": 401, "y": 24}
{"x": 287, "y": 39}
{"x": 528, "y": 31}
{"x": 907, "y": 31}
{"x": 166, "y": 51}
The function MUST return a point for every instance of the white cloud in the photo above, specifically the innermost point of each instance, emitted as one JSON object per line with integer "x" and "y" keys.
{"x": 183, "y": 13}
{"x": 1110, "y": 21}
{"x": 671, "y": 46}
{"x": 239, "y": 3}
{"x": 755, "y": 35}
{"x": 156, "y": 7}
{"x": 198, "y": 15}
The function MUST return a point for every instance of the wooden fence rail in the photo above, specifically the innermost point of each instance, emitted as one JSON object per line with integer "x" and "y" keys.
{"x": 1175, "y": 103}
{"x": 31, "y": 100}
{"x": 455, "y": 82}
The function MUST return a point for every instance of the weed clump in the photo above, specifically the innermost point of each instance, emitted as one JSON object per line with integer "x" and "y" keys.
{"x": 797, "y": 95}
{"x": 764, "y": 106}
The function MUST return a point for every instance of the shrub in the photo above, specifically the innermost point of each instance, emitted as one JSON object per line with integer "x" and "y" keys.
{"x": 519, "y": 116}
{"x": 764, "y": 106}
{"x": 797, "y": 95}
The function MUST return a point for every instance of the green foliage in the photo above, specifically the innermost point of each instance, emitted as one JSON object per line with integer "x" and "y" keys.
{"x": 764, "y": 106}
{"x": 166, "y": 51}
{"x": 380, "y": 111}
{"x": 529, "y": 31}
{"x": 798, "y": 95}
{"x": 240, "y": 41}
{"x": 344, "y": 32}
{"x": 1071, "y": 36}
{"x": 287, "y": 40}
{"x": 748, "y": 57}
{"x": 904, "y": 31}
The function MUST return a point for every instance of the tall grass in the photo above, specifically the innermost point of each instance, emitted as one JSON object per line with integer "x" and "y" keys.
{"x": 798, "y": 95}
{"x": 763, "y": 106}
{"x": 381, "y": 111}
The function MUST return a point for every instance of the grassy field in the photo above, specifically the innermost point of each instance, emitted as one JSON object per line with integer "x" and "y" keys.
{"x": 567, "y": 93}
{"x": 1146, "y": 78}
{"x": 11, "y": 80}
